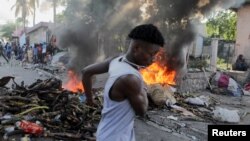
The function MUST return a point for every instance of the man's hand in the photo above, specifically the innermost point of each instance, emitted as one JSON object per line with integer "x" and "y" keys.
{"x": 87, "y": 74}
{"x": 91, "y": 102}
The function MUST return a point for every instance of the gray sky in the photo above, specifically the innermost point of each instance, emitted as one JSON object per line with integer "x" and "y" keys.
{"x": 44, "y": 13}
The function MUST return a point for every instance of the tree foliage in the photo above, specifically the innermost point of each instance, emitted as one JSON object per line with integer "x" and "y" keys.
{"x": 60, "y": 18}
{"x": 222, "y": 25}
{"x": 23, "y": 8}
{"x": 34, "y": 4}
{"x": 7, "y": 29}
{"x": 55, "y": 4}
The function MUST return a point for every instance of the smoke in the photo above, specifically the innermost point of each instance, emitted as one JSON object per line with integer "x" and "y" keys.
{"x": 179, "y": 22}
{"x": 81, "y": 41}
{"x": 124, "y": 11}
{"x": 96, "y": 29}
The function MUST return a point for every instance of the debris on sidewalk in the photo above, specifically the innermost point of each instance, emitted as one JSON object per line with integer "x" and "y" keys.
{"x": 226, "y": 115}
{"x": 60, "y": 112}
{"x": 184, "y": 111}
{"x": 201, "y": 100}
{"x": 5, "y": 80}
{"x": 246, "y": 89}
{"x": 224, "y": 84}
{"x": 172, "y": 118}
{"x": 161, "y": 95}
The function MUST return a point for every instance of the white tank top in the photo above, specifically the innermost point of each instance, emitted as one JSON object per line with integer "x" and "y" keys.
{"x": 117, "y": 122}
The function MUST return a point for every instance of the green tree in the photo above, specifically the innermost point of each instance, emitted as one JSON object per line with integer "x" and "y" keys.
{"x": 222, "y": 25}
{"x": 22, "y": 7}
{"x": 55, "y": 4}
{"x": 7, "y": 29}
{"x": 60, "y": 18}
{"x": 19, "y": 21}
{"x": 34, "y": 4}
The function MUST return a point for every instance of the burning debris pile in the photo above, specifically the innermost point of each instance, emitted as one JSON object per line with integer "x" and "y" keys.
{"x": 73, "y": 83}
{"x": 158, "y": 72}
{"x": 60, "y": 113}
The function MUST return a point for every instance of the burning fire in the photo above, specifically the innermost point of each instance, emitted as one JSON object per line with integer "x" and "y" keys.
{"x": 158, "y": 72}
{"x": 73, "y": 84}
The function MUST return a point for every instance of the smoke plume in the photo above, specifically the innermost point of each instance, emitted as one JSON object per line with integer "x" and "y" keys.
{"x": 177, "y": 19}
{"x": 81, "y": 41}
{"x": 94, "y": 27}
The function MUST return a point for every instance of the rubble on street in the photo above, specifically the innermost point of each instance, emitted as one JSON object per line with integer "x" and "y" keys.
{"x": 59, "y": 112}
{"x": 63, "y": 115}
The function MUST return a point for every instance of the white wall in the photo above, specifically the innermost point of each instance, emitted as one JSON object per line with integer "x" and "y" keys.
{"x": 243, "y": 33}
{"x": 197, "y": 47}
{"x": 22, "y": 40}
{"x": 38, "y": 36}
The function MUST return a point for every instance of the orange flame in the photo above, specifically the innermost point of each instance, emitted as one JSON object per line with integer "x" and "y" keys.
{"x": 158, "y": 72}
{"x": 73, "y": 84}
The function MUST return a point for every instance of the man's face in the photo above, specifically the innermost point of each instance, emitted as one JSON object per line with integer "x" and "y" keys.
{"x": 145, "y": 52}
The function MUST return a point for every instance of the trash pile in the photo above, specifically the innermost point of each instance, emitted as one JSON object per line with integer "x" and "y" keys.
{"x": 163, "y": 96}
{"x": 200, "y": 108}
{"x": 224, "y": 84}
{"x": 45, "y": 109}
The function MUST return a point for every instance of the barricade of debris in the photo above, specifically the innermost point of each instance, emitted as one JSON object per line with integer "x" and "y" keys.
{"x": 187, "y": 115}
{"x": 186, "y": 105}
{"x": 45, "y": 109}
{"x": 61, "y": 114}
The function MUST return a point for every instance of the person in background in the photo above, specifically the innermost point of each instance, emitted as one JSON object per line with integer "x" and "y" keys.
{"x": 125, "y": 94}
{"x": 39, "y": 53}
{"x": 25, "y": 59}
{"x": 30, "y": 55}
{"x": 48, "y": 58}
{"x": 20, "y": 54}
{"x": 44, "y": 50}
{"x": 2, "y": 52}
{"x": 35, "y": 54}
{"x": 1, "y": 48}
{"x": 241, "y": 64}
{"x": 16, "y": 50}
{"x": 9, "y": 50}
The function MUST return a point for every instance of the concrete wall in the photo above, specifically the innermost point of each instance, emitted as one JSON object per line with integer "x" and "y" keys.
{"x": 38, "y": 36}
{"x": 197, "y": 47}
{"x": 243, "y": 33}
{"x": 193, "y": 82}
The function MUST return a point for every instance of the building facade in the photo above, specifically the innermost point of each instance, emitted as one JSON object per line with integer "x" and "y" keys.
{"x": 39, "y": 33}
{"x": 242, "y": 45}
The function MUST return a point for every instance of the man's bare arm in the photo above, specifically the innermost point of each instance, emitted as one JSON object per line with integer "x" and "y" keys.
{"x": 132, "y": 88}
{"x": 87, "y": 74}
